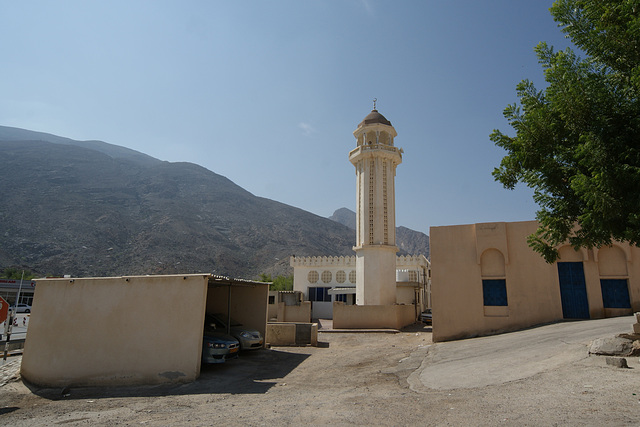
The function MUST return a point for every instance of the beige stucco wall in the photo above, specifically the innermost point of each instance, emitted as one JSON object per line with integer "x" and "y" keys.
{"x": 533, "y": 288}
{"x": 294, "y": 313}
{"x": 372, "y": 316}
{"x": 115, "y": 331}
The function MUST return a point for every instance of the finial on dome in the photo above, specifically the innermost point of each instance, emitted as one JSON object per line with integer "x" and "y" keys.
{"x": 374, "y": 103}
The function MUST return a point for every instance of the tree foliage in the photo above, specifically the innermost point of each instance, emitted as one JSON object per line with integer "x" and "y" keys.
{"x": 577, "y": 142}
{"x": 16, "y": 274}
{"x": 280, "y": 283}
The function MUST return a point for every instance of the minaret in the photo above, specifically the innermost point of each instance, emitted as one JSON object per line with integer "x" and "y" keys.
{"x": 375, "y": 159}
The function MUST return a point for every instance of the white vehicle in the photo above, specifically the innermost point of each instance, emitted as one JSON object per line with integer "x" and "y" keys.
{"x": 22, "y": 308}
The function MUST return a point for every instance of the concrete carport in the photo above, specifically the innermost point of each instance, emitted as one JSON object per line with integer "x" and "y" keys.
{"x": 132, "y": 329}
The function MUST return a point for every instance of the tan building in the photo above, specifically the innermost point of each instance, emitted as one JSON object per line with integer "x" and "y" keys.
{"x": 131, "y": 329}
{"x": 487, "y": 280}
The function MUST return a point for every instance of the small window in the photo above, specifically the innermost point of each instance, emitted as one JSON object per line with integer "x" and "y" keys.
{"x": 413, "y": 276}
{"x": 272, "y": 299}
{"x": 341, "y": 276}
{"x": 495, "y": 292}
{"x": 341, "y": 297}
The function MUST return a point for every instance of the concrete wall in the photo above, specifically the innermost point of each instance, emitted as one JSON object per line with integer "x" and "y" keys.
{"x": 321, "y": 309}
{"x": 293, "y": 333}
{"x": 115, "y": 331}
{"x": 294, "y": 313}
{"x": 463, "y": 255}
{"x": 372, "y": 316}
{"x": 406, "y": 295}
{"x": 281, "y": 334}
{"x": 248, "y": 304}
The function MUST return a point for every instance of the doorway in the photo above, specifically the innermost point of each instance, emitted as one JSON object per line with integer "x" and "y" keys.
{"x": 573, "y": 290}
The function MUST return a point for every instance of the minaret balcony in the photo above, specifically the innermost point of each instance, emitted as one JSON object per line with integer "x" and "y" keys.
{"x": 376, "y": 150}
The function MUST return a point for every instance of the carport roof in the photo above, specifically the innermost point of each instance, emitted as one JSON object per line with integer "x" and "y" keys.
{"x": 215, "y": 280}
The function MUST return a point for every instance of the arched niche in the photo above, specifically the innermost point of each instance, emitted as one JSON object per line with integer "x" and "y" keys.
{"x": 569, "y": 254}
{"x": 492, "y": 263}
{"x": 612, "y": 261}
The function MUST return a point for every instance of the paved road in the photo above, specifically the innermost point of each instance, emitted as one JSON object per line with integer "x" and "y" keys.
{"x": 498, "y": 359}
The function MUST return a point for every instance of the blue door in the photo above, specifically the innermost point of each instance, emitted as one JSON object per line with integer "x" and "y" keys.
{"x": 573, "y": 290}
{"x": 615, "y": 293}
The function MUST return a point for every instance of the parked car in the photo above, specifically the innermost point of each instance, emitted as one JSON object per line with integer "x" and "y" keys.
{"x": 426, "y": 317}
{"x": 249, "y": 339}
{"x": 22, "y": 308}
{"x": 217, "y": 347}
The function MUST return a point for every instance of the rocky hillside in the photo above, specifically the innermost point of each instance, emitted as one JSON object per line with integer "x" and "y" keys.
{"x": 409, "y": 241}
{"x": 412, "y": 242}
{"x": 88, "y": 208}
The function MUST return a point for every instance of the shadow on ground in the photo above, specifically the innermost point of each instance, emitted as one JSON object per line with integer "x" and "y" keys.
{"x": 252, "y": 373}
{"x": 417, "y": 327}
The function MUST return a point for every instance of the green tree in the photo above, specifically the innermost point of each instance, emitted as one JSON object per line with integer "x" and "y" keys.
{"x": 264, "y": 277}
{"x": 280, "y": 283}
{"x": 577, "y": 142}
{"x": 16, "y": 274}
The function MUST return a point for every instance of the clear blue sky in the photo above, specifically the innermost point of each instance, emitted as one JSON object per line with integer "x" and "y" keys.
{"x": 268, "y": 93}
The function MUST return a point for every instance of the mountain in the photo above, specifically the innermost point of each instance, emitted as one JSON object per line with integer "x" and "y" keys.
{"x": 89, "y": 208}
{"x": 409, "y": 241}
{"x": 115, "y": 151}
{"x": 345, "y": 217}
{"x": 412, "y": 242}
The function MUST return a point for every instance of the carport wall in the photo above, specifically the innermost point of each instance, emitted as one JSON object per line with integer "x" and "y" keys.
{"x": 532, "y": 285}
{"x": 115, "y": 331}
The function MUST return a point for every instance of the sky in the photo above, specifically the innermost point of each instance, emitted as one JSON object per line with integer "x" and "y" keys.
{"x": 268, "y": 93}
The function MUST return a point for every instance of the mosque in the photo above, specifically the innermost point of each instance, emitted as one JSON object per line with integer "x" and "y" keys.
{"x": 486, "y": 278}
{"x": 375, "y": 276}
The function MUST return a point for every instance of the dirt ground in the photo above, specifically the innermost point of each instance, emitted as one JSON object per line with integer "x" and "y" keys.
{"x": 350, "y": 378}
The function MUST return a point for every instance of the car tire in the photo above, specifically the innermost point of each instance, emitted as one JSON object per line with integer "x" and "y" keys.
{"x": 27, "y": 311}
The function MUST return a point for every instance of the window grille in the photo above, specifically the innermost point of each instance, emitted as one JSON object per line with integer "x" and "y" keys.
{"x": 312, "y": 277}
{"x": 326, "y": 276}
